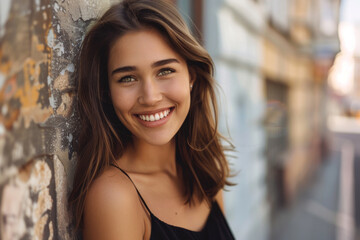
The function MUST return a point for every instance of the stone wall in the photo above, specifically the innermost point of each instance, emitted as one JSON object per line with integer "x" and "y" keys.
{"x": 39, "y": 40}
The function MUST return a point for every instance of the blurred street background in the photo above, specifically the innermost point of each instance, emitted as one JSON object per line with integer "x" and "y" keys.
{"x": 289, "y": 78}
{"x": 289, "y": 73}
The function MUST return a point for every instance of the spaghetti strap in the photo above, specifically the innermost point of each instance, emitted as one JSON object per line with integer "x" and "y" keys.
{"x": 215, "y": 226}
{"x": 143, "y": 201}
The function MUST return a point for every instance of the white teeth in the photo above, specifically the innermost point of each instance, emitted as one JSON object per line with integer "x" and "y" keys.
{"x": 156, "y": 117}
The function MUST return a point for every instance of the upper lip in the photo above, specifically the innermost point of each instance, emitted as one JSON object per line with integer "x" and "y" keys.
{"x": 153, "y": 111}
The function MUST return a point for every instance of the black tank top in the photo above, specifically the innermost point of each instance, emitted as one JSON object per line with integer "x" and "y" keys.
{"x": 216, "y": 226}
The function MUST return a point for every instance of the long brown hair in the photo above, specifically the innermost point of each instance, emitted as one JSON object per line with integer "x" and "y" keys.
{"x": 103, "y": 138}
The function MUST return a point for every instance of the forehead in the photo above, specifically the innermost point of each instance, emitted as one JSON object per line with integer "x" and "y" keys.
{"x": 140, "y": 47}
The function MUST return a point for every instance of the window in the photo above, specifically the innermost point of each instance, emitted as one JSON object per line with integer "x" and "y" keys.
{"x": 277, "y": 137}
{"x": 192, "y": 12}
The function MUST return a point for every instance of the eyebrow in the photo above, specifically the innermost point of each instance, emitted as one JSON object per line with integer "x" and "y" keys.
{"x": 155, "y": 64}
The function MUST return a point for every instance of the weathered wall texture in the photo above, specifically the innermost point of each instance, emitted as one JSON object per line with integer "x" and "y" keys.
{"x": 39, "y": 40}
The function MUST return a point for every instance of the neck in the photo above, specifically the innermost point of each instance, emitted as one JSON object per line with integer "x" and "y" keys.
{"x": 143, "y": 157}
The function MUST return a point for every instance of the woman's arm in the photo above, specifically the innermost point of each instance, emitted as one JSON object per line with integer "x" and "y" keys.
{"x": 113, "y": 210}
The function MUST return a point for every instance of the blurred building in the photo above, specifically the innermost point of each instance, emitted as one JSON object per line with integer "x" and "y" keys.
{"x": 344, "y": 79}
{"x": 300, "y": 44}
{"x": 344, "y": 111}
{"x": 234, "y": 39}
{"x": 272, "y": 60}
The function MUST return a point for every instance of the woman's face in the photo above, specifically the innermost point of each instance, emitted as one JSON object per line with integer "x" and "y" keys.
{"x": 149, "y": 86}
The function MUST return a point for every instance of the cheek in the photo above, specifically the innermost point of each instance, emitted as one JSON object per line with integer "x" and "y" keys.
{"x": 179, "y": 91}
{"x": 121, "y": 100}
{"x": 182, "y": 96}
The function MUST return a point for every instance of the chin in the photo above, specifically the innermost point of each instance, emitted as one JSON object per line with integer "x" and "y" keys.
{"x": 159, "y": 141}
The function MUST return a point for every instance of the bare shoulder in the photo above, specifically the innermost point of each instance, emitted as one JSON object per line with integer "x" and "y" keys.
{"x": 112, "y": 208}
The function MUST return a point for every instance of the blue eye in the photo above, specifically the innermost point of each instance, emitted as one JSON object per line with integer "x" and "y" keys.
{"x": 127, "y": 79}
{"x": 164, "y": 72}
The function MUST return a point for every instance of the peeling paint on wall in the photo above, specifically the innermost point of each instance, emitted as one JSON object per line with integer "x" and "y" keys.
{"x": 4, "y": 13}
{"x": 86, "y": 9}
{"x": 39, "y": 40}
{"x": 61, "y": 183}
{"x": 26, "y": 203}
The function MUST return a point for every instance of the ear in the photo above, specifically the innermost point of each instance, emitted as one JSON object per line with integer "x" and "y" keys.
{"x": 192, "y": 75}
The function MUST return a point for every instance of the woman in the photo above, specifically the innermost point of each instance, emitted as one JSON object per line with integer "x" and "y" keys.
{"x": 148, "y": 147}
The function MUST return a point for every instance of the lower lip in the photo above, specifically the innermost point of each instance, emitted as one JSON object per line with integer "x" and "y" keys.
{"x": 157, "y": 123}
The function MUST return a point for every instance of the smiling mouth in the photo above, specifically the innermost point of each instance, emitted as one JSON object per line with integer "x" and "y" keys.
{"x": 155, "y": 116}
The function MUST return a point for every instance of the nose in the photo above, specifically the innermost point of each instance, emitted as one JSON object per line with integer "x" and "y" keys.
{"x": 150, "y": 92}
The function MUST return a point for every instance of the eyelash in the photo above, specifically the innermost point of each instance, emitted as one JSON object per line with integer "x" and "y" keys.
{"x": 126, "y": 79}
{"x": 163, "y": 72}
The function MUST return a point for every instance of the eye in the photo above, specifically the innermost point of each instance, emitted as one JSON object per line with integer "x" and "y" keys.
{"x": 127, "y": 79}
{"x": 165, "y": 71}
